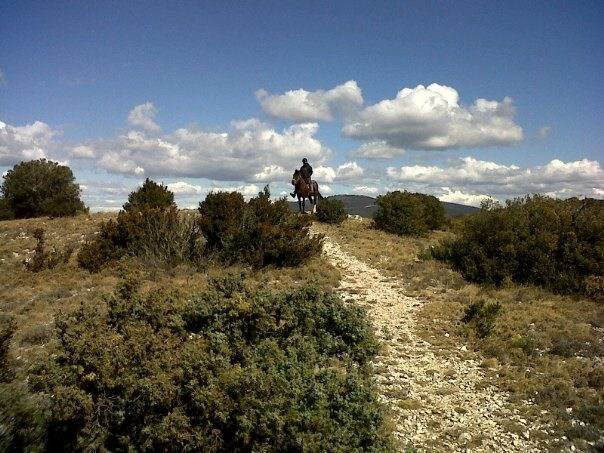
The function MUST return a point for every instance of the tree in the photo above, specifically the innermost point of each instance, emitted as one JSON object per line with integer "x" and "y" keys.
{"x": 41, "y": 188}
{"x": 150, "y": 195}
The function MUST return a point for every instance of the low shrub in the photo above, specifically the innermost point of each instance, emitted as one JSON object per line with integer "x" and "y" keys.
{"x": 556, "y": 244}
{"x": 259, "y": 233}
{"x": 332, "y": 211}
{"x": 8, "y": 326}
{"x": 152, "y": 234}
{"x": 481, "y": 317}
{"x": 43, "y": 258}
{"x": 408, "y": 214}
{"x": 235, "y": 368}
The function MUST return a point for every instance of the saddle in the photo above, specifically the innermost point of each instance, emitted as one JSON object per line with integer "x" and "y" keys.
{"x": 310, "y": 186}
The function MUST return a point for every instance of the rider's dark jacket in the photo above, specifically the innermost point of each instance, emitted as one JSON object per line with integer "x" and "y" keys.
{"x": 306, "y": 171}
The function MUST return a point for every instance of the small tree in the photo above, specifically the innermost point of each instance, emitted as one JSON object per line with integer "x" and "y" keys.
{"x": 332, "y": 211}
{"x": 150, "y": 195}
{"x": 408, "y": 214}
{"x": 41, "y": 188}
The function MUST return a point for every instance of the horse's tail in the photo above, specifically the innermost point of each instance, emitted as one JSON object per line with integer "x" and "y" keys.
{"x": 316, "y": 190}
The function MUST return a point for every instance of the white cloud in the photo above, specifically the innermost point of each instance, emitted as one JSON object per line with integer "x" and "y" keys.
{"x": 184, "y": 188}
{"x": 377, "y": 150}
{"x": 22, "y": 143}
{"x": 431, "y": 118}
{"x": 366, "y": 190}
{"x": 460, "y": 197}
{"x": 349, "y": 171}
{"x": 249, "y": 151}
{"x": 142, "y": 116}
{"x": 468, "y": 178}
{"x": 324, "y": 174}
{"x": 307, "y": 106}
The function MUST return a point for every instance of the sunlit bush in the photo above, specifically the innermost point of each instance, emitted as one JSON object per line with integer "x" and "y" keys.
{"x": 260, "y": 232}
{"x": 331, "y": 211}
{"x": 235, "y": 368}
{"x": 408, "y": 214}
{"x": 557, "y": 244}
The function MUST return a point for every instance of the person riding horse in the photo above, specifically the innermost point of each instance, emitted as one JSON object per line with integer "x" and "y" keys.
{"x": 306, "y": 172}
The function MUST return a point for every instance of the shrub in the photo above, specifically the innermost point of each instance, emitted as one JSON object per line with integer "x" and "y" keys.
{"x": 41, "y": 188}
{"x": 150, "y": 196}
{"x": 8, "y": 326}
{"x": 44, "y": 259}
{"x": 149, "y": 227}
{"x": 481, "y": 317}
{"x": 259, "y": 233}
{"x": 556, "y": 244}
{"x": 332, "y": 211}
{"x": 234, "y": 369}
{"x": 408, "y": 214}
{"x": 154, "y": 235}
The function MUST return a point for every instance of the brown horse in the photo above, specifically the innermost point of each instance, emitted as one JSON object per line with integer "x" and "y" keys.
{"x": 304, "y": 191}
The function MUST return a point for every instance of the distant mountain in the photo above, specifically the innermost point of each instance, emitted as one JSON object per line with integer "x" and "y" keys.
{"x": 366, "y": 207}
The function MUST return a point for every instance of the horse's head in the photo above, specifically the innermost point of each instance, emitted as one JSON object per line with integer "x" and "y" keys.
{"x": 296, "y": 177}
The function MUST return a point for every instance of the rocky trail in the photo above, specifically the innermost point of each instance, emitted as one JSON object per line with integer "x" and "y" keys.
{"x": 439, "y": 400}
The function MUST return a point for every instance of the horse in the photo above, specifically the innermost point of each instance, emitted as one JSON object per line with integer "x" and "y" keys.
{"x": 303, "y": 191}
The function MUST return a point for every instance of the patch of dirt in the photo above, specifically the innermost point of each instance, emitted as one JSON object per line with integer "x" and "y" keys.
{"x": 440, "y": 400}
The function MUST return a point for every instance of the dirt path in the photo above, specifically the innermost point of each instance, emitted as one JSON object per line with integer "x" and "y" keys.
{"x": 439, "y": 400}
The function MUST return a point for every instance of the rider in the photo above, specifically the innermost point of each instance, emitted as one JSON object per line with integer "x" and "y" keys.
{"x": 306, "y": 172}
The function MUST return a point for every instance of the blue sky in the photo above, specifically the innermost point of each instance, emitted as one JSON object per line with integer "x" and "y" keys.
{"x": 458, "y": 99}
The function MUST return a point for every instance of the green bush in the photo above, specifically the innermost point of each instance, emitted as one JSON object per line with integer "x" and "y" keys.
{"x": 41, "y": 188}
{"x": 556, "y": 244}
{"x": 259, "y": 233}
{"x": 7, "y": 329}
{"x": 331, "y": 211}
{"x": 234, "y": 369}
{"x": 150, "y": 196}
{"x": 152, "y": 234}
{"x": 408, "y": 214}
{"x": 481, "y": 317}
{"x": 149, "y": 227}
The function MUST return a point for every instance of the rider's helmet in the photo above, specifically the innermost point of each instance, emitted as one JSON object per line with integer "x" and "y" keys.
{"x": 305, "y": 160}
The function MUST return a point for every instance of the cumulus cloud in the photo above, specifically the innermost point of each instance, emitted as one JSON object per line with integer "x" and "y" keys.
{"x": 142, "y": 116}
{"x": 366, "y": 190}
{"x": 460, "y": 197}
{"x": 249, "y": 151}
{"x": 29, "y": 142}
{"x": 377, "y": 150}
{"x": 430, "y": 118}
{"x": 308, "y": 106}
{"x": 468, "y": 180}
{"x": 349, "y": 171}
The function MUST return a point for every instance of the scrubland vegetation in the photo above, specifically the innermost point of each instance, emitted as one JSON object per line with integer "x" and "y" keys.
{"x": 218, "y": 329}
